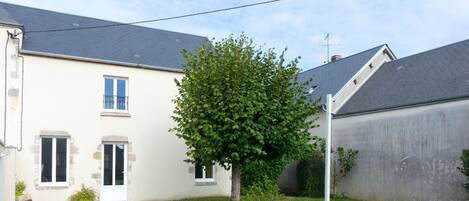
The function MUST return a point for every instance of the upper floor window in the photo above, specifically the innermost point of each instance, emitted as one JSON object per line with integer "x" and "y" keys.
{"x": 54, "y": 161}
{"x": 116, "y": 93}
{"x": 204, "y": 173}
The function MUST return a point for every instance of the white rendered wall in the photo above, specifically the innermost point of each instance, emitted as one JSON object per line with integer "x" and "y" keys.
{"x": 65, "y": 97}
{"x": 406, "y": 154}
{"x": 7, "y": 174}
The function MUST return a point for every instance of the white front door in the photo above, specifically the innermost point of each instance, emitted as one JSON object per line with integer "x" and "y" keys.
{"x": 114, "y": 173}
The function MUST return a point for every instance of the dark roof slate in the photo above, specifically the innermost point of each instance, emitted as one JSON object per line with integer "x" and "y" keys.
{"x": 128, "y": 43}
{"x": 331, "y": 77}
{"x": 5, "y": 18}
{"x": 435, "y": 75}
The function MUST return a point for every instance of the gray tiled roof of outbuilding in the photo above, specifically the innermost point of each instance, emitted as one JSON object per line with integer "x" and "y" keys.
{"x": 436, "y": 75}
{"x": 331, "y": 77}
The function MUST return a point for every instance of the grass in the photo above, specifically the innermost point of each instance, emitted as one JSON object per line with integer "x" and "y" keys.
{"x": 221, "y": 198}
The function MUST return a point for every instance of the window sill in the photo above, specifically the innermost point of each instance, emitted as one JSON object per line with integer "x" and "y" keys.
{"x": 115, "y": 114}
{"x": 45, "y": 186}
{"x": 205, "y": 183}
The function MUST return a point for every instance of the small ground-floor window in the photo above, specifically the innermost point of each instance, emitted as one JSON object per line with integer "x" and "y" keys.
{"x": 204, "y": 173}
{"x": 54, "y": 161}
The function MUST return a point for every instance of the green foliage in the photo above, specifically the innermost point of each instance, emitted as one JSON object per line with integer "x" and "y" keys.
{"x": 214, "y": 198}
{"x": 259, "y": 171}
{"x": 19, "y": 188}
{"x": 263, "y": 191}
{"x": 238, "y": 104}
{"x": 342, "y": 165}
{"x": 279, "y": 199}
{"x": 84, "y": 194}
{"x": 465, "y": 167}
{"x": 310, "y": 171}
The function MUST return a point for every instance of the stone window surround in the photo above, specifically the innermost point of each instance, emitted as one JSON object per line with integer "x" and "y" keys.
{"x": 97, "y": 156}
{"x": 35, "y": 150}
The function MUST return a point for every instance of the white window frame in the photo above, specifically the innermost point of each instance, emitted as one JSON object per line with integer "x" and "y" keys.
{"x": 113, "y": 165}
{"x": 204, "y": 179}
{"x": 114, "y": 83}
{"x": 54, "y": 155}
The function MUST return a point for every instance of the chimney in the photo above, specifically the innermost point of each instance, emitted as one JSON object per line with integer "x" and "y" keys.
{"x": 336, "y": 57}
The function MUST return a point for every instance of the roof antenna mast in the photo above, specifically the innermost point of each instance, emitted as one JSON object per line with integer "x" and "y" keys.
{"x": 328, "y": 45}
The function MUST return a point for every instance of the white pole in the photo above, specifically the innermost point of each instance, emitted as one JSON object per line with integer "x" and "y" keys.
{"x": 327, "y": 185}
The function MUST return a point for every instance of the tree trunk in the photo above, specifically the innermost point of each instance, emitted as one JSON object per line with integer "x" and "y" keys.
{"x": 235, "y": 181}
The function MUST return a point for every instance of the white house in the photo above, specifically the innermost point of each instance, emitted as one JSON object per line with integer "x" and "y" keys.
{"x": 93, "y": 107}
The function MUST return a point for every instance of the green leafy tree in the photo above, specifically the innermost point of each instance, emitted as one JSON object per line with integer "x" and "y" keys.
{"x": 238, "y": 103}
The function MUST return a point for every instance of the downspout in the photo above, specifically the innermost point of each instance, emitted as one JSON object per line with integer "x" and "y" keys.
{"x": 22, "y": 91}
{"x": 5, "y": 92}
{"x": 13, "y": 36}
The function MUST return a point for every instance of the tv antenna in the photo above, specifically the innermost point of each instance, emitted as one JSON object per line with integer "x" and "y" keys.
{"x": 327, "y": 38}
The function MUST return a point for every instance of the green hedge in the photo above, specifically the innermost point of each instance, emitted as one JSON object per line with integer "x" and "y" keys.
{"x": 261, "y": 171}
{"x": 310, "y": 175}
{"x": 465, "y": 167}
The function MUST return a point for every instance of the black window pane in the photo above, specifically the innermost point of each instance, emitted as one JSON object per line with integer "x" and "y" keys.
{"x": 119, "y": 165}
{"x": 61, "y": 160}
{"x": 46, "y": 160}
{"x": 209, "y": 172}
{"x": 198, "y": 171}
{"x": 108, "y": 164}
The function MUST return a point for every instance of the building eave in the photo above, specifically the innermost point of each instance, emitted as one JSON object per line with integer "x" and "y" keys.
{"x": 12, "y": 25}
{"x": 399, "y": 107}
{"x": 101, "y": 61}
{"x": 349, "y": 82}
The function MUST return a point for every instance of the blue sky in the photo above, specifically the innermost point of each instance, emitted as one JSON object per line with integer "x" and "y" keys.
{"x": 408, "y": 27}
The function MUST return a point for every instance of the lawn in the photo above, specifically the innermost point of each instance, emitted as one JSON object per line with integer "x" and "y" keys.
{"x": 282, "y": 199}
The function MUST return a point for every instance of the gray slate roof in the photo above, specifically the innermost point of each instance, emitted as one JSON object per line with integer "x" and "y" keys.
{"x": 129, "y": 43}
{"x": 5, "y": 18}
{"x": 331, "y": 77}
{"x": 435, "y": 75}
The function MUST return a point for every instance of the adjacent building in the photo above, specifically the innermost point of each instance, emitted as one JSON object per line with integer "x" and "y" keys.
{"x": 410, "y": 123}
{"x": 11, "y": 103}
{"x": 408, "y": 118}
{"x": 341, "y": 78}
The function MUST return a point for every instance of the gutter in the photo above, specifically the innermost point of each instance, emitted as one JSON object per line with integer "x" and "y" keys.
{"x": 12, "y": 25}
{"x": 102, "y": 61}
{"x": 404, "y": 106}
